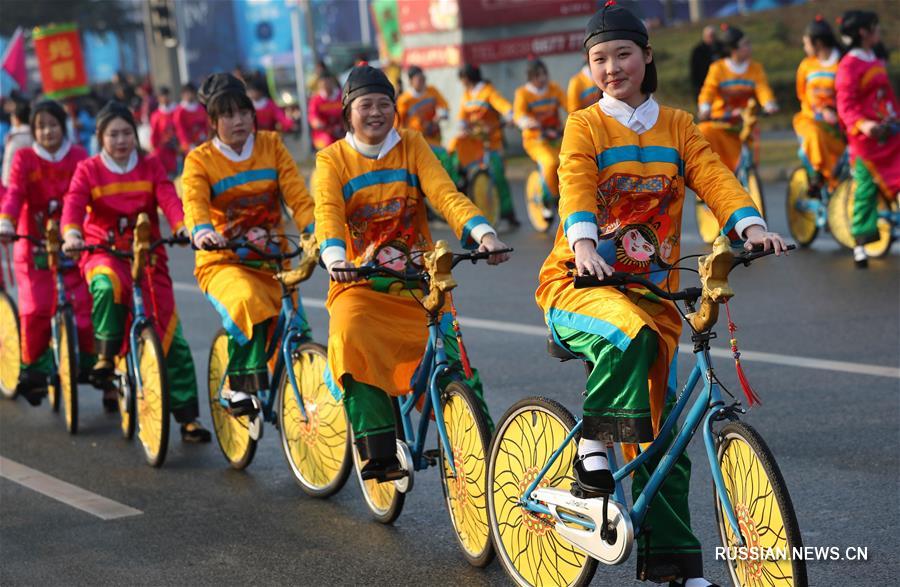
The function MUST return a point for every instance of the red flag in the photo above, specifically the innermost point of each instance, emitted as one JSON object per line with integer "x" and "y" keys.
{"x": 14, "y": 59}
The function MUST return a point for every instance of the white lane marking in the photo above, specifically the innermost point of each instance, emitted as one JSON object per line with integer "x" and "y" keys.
{"x": 757, "y": 356}
{"x": 71, "y": 495}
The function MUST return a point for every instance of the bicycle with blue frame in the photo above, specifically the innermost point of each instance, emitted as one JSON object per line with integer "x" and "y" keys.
{"x": 545, "y": 535}
{"x": 311, "y": 422}
{"x": 539, "y": 205}
{"x": 809, "y": 212}
{"x": 746, "y": 171}
{"x": 463, "y": 432}
{"x": 140, "y": 372}
{"x": 477, "y": 178}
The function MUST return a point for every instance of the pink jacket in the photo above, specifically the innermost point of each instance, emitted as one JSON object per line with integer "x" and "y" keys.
{"x": 191, "y": 127}
{"x": 271, "y": 117}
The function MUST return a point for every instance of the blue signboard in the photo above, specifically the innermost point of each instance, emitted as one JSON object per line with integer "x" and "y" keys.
{"x": 101, "y": 56}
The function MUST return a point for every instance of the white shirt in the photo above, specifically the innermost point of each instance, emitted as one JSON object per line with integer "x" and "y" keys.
{"x": 231, "y": 154}
{"x": 738, "y": 68}
{"x": 863, "y": 54}
{"x": 378, "y": 151}
{"x": 114, "y": 167}
{"x": 261, "y": 103}
{"x": 190, "y": 106}
{"x": 832, "y": 59}
{"x": 46, "y": 155}
{"x": 639, "y": 120}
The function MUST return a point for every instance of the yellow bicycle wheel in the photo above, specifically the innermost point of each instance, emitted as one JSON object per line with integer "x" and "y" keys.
{"x": 152, "y": 398}
{"x": 540, "y": 216}
{"x": 880, "y": 247}
{"x": 707, "y": 225}
{"x": 840, "y": 213}
{"x": 317, "y": 447}
{"x": 127, "y": 400}
{"x": 232, "y": 434}
{"x": 764, "y": 512}
{"x": 385, "y": 500}
{"x": 10, "y": 349}
{"x": 528, "y": 546}
{"x": 483, "y": 193}
{"x": 467, "y": 432}
{"x": 801, "y": 222}
{"x": 67, "y": 369}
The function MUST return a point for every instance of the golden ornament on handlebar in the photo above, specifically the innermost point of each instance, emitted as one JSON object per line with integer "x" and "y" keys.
{"x": 750, "y": 118}
{"x": 714, "y": 270}
{"x": 438, "y": 264}
{"x": 141, "y": 246}
{"x": 54, "y": 244}
{"x": 307, "y": 264}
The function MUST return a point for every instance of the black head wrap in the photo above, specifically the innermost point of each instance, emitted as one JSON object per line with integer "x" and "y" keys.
{"x": 413, "y": 71}
{"x": 854, "y": 20}
{"x": 219, "y": 83}
{"x": 820, "y": 30}
{"x": 470, "y": 72}
{"x": 731, "y": 36}
{"x": 365, "y": 79}
{"x": 613, "y": 23}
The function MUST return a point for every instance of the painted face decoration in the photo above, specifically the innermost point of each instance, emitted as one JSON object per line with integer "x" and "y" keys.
{"x": 637, "y": 246}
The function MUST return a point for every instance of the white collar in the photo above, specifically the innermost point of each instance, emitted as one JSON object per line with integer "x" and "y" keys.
{"x": 19, "y": 129}
{"x": 114, "y": 167}
{"x": 477, "y": 87}
{"x": 832, "y": 59}
{"x": 53, "y": 157}
{"x": 189, "y": 106}
{"x": 586, "y": 72}
{"x": 738, "y": 68}
{"x": 167, "y": 109}
{"x": 391, "y": 141}
{"x": 330, "y": 97}
{"x": 261, "y": 103}
{"x": 537, "y": 91}
{"x": 640, "y": 119}
{"x": 863, "y": 54}
{"x": 416, "y": 94}
{"x": 230, "y": 153}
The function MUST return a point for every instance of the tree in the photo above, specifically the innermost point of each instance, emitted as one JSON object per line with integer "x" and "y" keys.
{"x": 91, "y": 15}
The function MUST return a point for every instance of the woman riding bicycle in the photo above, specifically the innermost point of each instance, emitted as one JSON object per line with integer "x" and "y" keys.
{"x": 536, "y": 110}
{"x": 821, "y": 140}
{"x": 105, "y": 197}
{"x": 485, "y": 110}
{"x": 869, "y": 110}
{"x": 421, "y": 108}
{"x": 232, "y": 190}
{"x": 325, "y": 113}
{"x": 369, "y": 192}
{"x": 729, "y": 85}
{"x": 39, "y": 178}
{"x": 624, "y": 166}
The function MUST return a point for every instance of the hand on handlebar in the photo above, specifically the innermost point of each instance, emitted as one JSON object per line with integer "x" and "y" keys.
{"x": 7, "y": 231}
{"x": 72, "y": 244}
{"x": 588, "y": 261}
{"x": 208, "y": 239}
{"x": 183, "y": 236}
{"x": 343, "y": 276}
{"x": 756, "y": 236}
{"x": 771, "y": 107}
{"x": 490, "y": 243}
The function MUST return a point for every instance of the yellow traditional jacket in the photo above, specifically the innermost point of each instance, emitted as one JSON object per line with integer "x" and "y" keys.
{"x": 418, "y": 112}
{"x": 724, "y": 90}
{"x": 582, "y": 91}
{"x": 815, "y": 86}
{"x": 625, "y": 191}
{"x": 543, "y": 107}
{"x": 484, "y": 105}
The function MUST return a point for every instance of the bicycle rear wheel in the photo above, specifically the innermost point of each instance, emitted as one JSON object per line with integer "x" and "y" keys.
{"x": 384, "y": 500}
{"x": 467, "y": 432}
{"x": 540, "y": 216}
{"x": 10, "y": 346}
{"x": 127, "y": 399}
{"x": 484, "y": 194}
{"x": 232, "y": 434}
{"x": 707, "y": 225}
{"x": 528, "y": 547}
{"x": 840, "y": 211}
{"x": 152, "y": 397}
{"x": 763, "y": 507}
{"x": 801, "y": 219}
{"x": 317, "y": 448}
{"x": 67, "y": 367}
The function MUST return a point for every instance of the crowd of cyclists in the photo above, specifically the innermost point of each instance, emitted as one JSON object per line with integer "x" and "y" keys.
{"x": 616, "y": 171}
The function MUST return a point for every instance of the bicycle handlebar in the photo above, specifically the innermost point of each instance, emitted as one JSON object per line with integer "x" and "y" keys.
{"x": 367, "y": 271}
{"x": 242, "y": 244}
{"x": 172, "y": 240}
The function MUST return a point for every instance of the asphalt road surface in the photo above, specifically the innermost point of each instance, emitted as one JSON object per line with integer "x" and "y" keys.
{"x": 832, "y": 423}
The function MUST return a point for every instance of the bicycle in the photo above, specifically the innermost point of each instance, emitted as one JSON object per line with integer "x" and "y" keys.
{"x": 462, "y": 429}
{"x": 10, "y": 343}
{"x": 535, "y": 518}
{"x": 311, "y": 422}
{"x": 541, "y": 211}
{"x": 140, "y": 372}
{"x": 840, "y": 213}
{"x": 746, "y": 171}
{"x": 477, "y": 178}
{"x": 806, "y": 213}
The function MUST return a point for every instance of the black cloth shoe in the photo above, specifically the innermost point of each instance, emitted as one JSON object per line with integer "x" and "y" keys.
{"x": 593, "y": 483}
{"x": 111, "y": 400}
{"x": 32, "y": 386}
{"x": 194, "y": 433}
{"x": 382, "y": 470}
{"x": 242, "y": 404}
{"x": 101, "y": 375}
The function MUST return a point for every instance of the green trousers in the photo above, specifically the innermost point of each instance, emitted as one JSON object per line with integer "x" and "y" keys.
{"x": 448, "y": 162}
{"x": 44, "y": 363}
{"x": 247, "y": 364}
{"x": 371, "y": 410}
{"x": 864, "y": 224}
{"x": 109, "y": 318}
{"x": 617, "y": 409}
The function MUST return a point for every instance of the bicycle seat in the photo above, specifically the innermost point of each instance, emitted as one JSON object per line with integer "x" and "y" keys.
{"x": 558, "y": 352}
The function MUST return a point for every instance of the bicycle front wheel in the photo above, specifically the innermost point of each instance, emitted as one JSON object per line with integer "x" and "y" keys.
{"x": 540, "y": 216}
{"x": 801, "y": 219}
{"x": 317, "y": 447}
{"x": 529, "y": 549}
{"x": 384, "y": 500}
{"x": 467, "y": 432}
{"x": 67, "y": 369}
{"x": 152, "y": 398}
{"x": 484, "y": 194}
{"x": 232, "y": 434}
{"x": 840, "y": 213}
{"x": 10, "y": 347}
{"x": 763, "y": 508}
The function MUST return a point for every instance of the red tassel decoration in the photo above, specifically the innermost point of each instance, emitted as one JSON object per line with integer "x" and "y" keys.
{"x": 463, "y": 355}
{"x": 752, "y": 398}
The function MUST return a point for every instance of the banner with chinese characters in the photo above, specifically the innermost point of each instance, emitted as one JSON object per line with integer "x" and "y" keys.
{"x": 61, "y": 61}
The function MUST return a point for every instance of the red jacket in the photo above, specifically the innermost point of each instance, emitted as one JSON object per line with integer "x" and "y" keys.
{"x": 270, "y": 117}
{"x": 191, "y": 127}
{"x": 164, "y": 139}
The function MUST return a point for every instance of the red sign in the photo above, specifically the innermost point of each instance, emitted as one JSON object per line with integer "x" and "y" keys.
{"x": 60, "y": 60}
{"x": 431, "y": 57}
{"x": 522, "y": 47}
{"x": 427, "y": 16}
{"x": 488, "y": 13}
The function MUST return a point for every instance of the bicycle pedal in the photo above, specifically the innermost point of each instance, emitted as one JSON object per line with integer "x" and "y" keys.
{"x": 577, "y": 491}
{"x": 431, "y": 456}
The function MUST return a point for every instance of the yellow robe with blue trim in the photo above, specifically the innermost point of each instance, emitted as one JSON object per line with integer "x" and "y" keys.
{"x": 487, "y": 108}
{"x": 374, "y": 209}
{"x": 628, "y": 189}
{"x": 821, "y": 144}
{"x": 581, "y": 92}
{"x": 242, "y": 199}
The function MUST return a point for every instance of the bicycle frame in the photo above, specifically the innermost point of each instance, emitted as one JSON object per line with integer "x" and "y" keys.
{"x": 140, "y": 320}
{"x": 62, "y": 304}
{"x": 708, "y": 408}
{"x": 820, "y": 207}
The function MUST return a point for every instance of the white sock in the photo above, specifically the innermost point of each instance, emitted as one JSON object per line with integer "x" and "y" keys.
{"x": 697, "y": 582}
{"x": 595, "y": 463}
{"x": 238, "y": 396}
{"x": 859, "y": 253}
